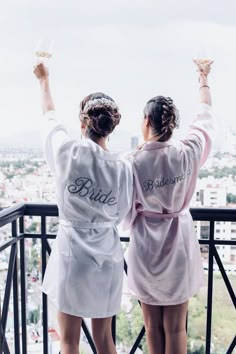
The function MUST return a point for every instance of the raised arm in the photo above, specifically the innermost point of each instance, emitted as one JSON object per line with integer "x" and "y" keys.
{"x": 203, "y": 127}
{"x": 42, "y": 74}
{"x": 53, "y": 133}
{"x": 204, "y": 68}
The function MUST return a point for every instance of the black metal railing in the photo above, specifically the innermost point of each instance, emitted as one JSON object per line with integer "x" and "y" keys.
{"x": 16, "y": 278}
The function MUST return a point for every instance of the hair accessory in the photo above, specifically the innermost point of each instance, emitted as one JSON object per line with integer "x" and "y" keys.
{"x": 99, "y": 101}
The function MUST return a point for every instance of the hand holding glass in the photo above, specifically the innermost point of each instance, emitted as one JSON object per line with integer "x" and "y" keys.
{"x": 44, "y": 49}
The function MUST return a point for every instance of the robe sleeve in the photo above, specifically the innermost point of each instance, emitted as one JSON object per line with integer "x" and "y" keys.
{"x": 126, "y": 191}
{"x": 54, "y": 135}
{"x": 132, "y": 213}
{"x": 202, "y": 133}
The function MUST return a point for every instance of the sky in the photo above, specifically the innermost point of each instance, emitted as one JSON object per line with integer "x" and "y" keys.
{"x": 132, "y": 50}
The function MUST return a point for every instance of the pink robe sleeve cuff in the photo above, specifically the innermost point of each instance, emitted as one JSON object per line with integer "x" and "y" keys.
{"x": 204, "y": 129}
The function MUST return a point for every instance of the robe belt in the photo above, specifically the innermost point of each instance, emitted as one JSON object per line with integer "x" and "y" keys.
{"x": 87, "y": 224}
{"x": 154, "y": 215}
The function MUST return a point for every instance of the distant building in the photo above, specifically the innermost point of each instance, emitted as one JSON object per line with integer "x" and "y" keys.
{"x": 134, "y": 142}
{"x": 229, "y": 138}
{"x": 212, "y": 195}
{"x": 215, "y": 195}
{"x": 210, "y": 192}
{"x": 223, "y": 231}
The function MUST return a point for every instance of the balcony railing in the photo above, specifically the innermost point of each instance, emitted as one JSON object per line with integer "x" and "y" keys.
{"x": 16, "y": 273}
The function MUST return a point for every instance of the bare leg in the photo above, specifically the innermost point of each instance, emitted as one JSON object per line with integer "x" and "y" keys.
{"x": 153, "y": 320}
{"x": 102, "y": 335}
{"x": 174, "y": 320}
{"x": 69, "y": 333}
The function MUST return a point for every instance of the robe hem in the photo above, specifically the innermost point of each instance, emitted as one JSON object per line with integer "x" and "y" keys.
{"x": 165, "y": 303}
{"x": 83, "y": 314}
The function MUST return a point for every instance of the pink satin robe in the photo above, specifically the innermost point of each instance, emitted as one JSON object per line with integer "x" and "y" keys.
{"x": 164, "y": 259}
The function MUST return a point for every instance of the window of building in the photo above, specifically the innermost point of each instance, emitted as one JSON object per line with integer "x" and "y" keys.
{"x": 232, "y": 258}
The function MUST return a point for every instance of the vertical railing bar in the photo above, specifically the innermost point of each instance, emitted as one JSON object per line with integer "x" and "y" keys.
{"x": 225, "y": 277}
{"x": 7, "y": 293}
{"x": 137, "y": 341}
{"x": 210, "y": 288}
{"x": 89, "y": 337}
{"x": 44, "y": 297}
{"x": 113, "y": 329}
{"x": 142, "y": 332}
{"x": 16, "y": 294}
{"x": 186, "y": 324}
{"x": 5, "y": 348}
{"x": 232, "y": 346}
{"x": 1, "y": 330}
{"x": 125, "y": 267}
{"x": 3, "y": 343}
{"x": 48, "y": 248}
{"x": 23, "y": 289}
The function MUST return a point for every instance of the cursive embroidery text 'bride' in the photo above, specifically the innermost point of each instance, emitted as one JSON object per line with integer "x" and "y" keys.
{"x": 84, "y": 186}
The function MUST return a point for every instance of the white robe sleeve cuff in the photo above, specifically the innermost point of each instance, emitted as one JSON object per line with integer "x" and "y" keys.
{"x": 54, "y": 135}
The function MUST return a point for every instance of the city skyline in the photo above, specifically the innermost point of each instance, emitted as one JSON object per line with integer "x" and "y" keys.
{"x": 27, "y": 179}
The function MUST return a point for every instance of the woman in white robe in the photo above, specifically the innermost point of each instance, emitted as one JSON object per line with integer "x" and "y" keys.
{"x": 164, "y": 260}
{"x": 84, "y": 274}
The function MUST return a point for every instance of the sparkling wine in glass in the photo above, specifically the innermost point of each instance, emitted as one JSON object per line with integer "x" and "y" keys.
{"x": 202, "y": 55}
{"x": 44, "y": 49}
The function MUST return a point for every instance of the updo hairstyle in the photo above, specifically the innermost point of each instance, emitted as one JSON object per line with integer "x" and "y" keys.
{"x": 101, "y": 115}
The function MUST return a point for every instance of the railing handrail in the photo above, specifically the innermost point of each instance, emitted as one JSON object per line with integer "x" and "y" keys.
{"x": 11, "y": 213}
{"x": 50, "y": 209}
{"x": 41, "y": 209}
{"x": 216, "y": 214}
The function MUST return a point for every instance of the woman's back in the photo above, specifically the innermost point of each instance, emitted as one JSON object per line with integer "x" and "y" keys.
{"x": 94, "y": 190}
{"x": 89, "y": 181}
{"x": 164, "y": 172}
{"x": 84, "y": 273}
{"x": 164, "y": 250}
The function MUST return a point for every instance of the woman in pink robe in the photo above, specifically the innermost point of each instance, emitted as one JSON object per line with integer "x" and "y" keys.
{"x": 164, "y": 260}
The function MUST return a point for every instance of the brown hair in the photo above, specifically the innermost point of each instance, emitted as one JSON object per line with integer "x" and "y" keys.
{"x": 100, "y": 116}
{"x": 163, "y": 115}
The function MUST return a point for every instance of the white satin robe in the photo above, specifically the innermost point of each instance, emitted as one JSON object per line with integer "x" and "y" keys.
{"x": 164, "y": 260}
{"x": 84, "y": 273}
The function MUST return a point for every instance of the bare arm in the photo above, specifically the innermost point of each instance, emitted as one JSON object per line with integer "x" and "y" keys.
{"x": 41, "y": 72}
{"x": 53, "y": 133}
{"x": 204, "y": 90}
{"x": 202, "y": 129}
{"x": 204, "y": 68}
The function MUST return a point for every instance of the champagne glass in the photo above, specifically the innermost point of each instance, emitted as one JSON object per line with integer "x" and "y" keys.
{"x": 202, "y": 55}
{"x": 44, "y": 49}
